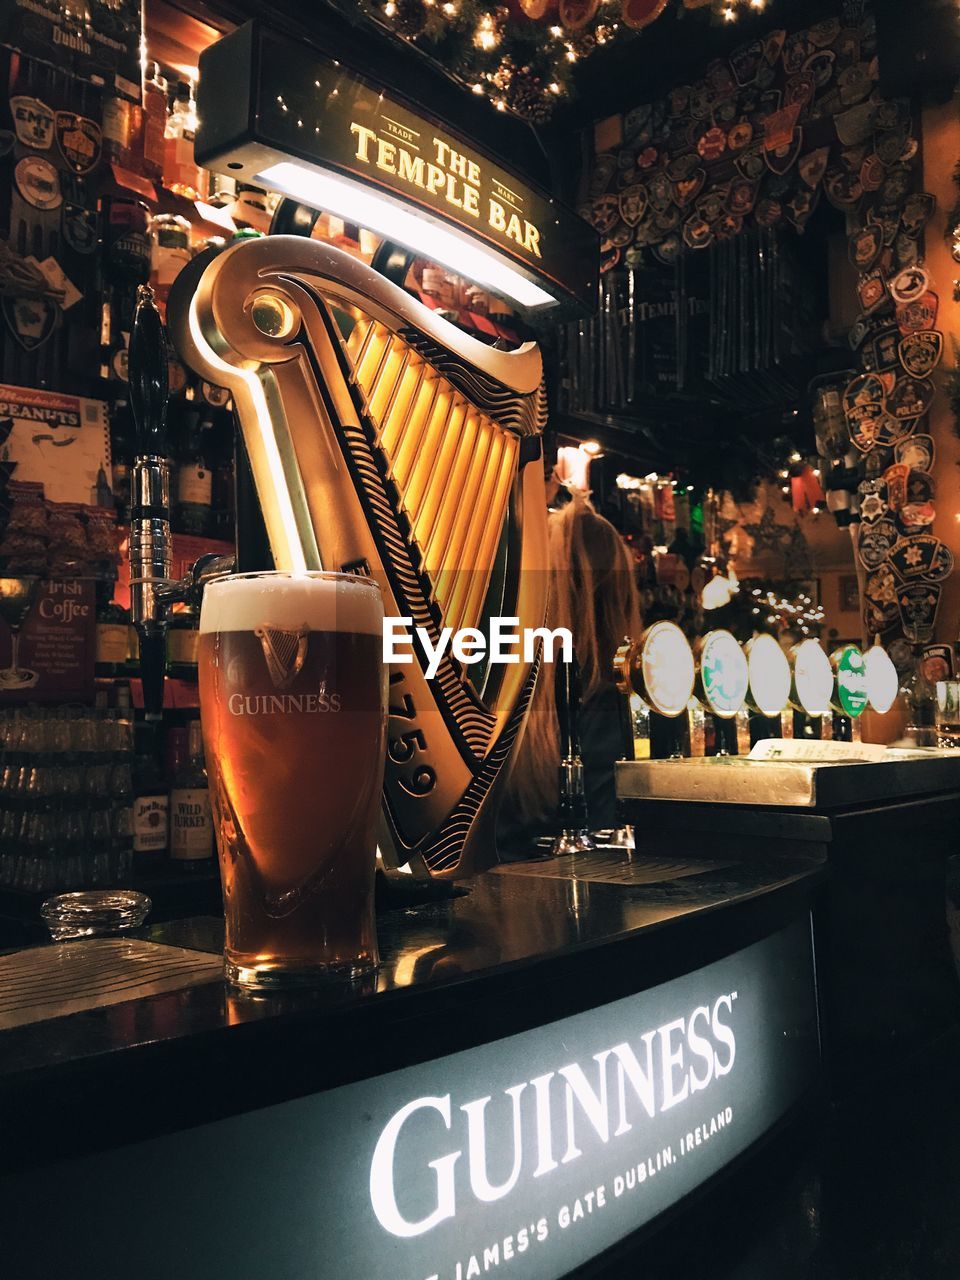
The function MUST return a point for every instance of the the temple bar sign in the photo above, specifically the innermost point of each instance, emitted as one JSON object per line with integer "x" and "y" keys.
{"x": 522, "y": 1158}
{"x": 266, "y": 100}
{"x": 458, "y": 178}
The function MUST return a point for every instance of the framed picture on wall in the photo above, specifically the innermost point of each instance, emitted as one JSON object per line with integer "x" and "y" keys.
{"x": 849, "y": 593}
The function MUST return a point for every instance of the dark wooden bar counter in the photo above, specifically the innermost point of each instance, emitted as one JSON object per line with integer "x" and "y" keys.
{"x": 885, "y": 830}
{"x": 217, "y": 1111}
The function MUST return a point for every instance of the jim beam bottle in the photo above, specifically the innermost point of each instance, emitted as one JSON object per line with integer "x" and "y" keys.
{"x": 191, "y": 822}
{"x": 151, "y": 802}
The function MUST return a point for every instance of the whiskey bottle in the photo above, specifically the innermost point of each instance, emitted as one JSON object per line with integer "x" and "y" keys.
{"x": 191, "y": 822}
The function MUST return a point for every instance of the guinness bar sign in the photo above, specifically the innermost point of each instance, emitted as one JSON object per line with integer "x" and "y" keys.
{"x": 520, "y": 1159}
{"x": 278, "y": 113}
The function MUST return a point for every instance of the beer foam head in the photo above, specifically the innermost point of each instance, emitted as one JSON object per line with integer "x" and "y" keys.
{"x": 243, "y": 602}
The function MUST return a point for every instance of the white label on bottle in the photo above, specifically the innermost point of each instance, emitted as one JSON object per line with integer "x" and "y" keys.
{"x": 115, "y": 121}
{"x": 191, "y": 824}
{"x": 195, "y": 484}
{"x": 150, "y": 815}
{"x": 111, "y": 642}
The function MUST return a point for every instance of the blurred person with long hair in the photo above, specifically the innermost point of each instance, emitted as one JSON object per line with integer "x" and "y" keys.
{"x": 593, "y": 593}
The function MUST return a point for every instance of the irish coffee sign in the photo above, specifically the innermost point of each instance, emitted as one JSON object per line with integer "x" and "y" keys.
{"x": 522, "y": 1158}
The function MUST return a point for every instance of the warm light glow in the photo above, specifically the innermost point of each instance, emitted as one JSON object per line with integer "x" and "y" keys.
{"x": 418, "y": 231}
{"x": 284, "y": 533}
{"x": 573, "y": 468}
{"x": 719, "y": 591}
{"x": 486, "y": 36}
{"x": 592, "y": 447}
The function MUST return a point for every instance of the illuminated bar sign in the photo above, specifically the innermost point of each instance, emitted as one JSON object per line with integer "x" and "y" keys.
{"x": 279, "y": 113}
{"x": 527, "y": 1156}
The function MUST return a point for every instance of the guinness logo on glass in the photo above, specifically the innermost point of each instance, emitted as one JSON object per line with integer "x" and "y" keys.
{"x": 284, "y": 653}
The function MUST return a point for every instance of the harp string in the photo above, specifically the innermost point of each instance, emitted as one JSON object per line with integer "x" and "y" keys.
{"x": 452, "y": 465}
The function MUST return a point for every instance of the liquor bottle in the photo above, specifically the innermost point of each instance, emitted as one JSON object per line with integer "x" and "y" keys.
{"x": 126, "y": 264}
{"x": 223, "y": 190}
{"x": 183, "y": 642}
{"x": 191, "y": 822}
{"x": 153, "y": 121}
{"x": 119, "y": 120}
{"x": 179, "y": 385}
{"x": 181, "y": 173}
{"x": 920, "y": 699}
{"x": 194, "y": 484}
{"x": 224, "y": 486}
{"x": 118, "y": 838}
{"x": 121, "y": 455}
{"x": 111, "y": 645}
{"x": 250, "y": 208}
{"x": 169, "y": 253}
{"x": 151, "y": 801}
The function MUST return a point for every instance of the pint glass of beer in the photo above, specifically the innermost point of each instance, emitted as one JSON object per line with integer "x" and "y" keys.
{"x": 293, "y": 699}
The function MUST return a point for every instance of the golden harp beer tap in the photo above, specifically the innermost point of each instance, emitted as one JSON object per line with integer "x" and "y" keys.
{"x": 384, "y": 441}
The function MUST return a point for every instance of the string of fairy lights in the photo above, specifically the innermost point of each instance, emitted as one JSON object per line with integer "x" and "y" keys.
{"x": 803, "y": 612}
{"x": 523, "y": 62}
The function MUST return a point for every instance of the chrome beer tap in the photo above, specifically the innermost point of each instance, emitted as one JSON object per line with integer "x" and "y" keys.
{"x": 574, "y": 836}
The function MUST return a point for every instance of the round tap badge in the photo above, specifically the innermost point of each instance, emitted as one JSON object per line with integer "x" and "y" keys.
{"x": 769, "y": 676}
{"x": 667, "y": 668}
{"x": 724, "y": 676}
{"x": 812, "y": 678}
{"x": 850, "y": 673}
{"x": 883, "y": 684}
{"x": 38, "y": 182}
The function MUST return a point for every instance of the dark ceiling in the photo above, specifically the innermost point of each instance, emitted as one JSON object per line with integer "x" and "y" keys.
{"x": 674, "y": 50}
{"x": 919, "y": 47}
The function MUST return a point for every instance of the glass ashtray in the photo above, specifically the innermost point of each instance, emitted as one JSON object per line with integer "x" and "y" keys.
{"x": 99, "y": 913}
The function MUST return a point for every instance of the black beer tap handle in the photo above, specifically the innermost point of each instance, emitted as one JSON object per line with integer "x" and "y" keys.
{"x": 151, "y": 556}
{"x": 148, "y": 376}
